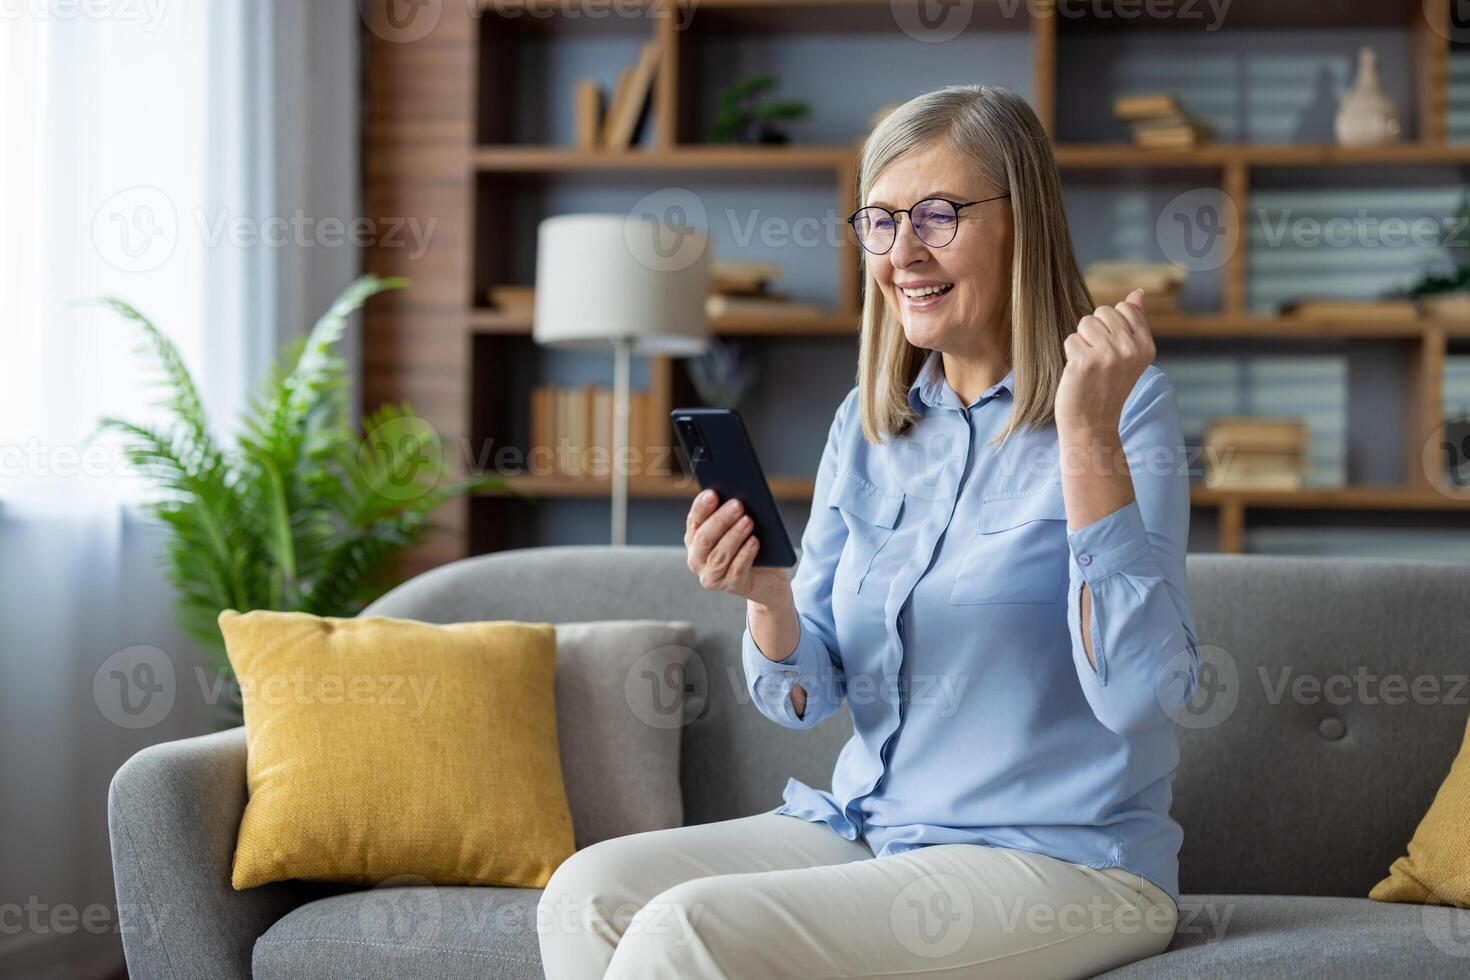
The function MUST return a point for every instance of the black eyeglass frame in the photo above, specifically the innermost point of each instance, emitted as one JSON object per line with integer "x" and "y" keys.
{"x": 958, "y": 207}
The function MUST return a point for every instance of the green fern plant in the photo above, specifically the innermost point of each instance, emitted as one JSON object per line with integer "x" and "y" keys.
{"x": 303, "y": 512}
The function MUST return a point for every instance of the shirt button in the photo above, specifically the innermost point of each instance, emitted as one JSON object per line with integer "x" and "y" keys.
{"x": 1084, "y": 559}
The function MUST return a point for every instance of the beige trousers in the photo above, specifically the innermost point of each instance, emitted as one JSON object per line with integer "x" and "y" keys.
{"x": 776, "y": 896}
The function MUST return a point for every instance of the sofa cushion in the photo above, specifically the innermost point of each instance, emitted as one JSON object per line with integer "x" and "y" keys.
{"x": 620, "y": 688}
{"x": 1288, "y": 937}
{"x": 405, "y": 928}
{"x": 379, "y": 747}
{"x": 1436, "y": 869}
{"x": 393, "y": 932}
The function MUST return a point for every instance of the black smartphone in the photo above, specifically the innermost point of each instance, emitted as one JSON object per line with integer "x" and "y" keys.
{"x": 719, "y": 451}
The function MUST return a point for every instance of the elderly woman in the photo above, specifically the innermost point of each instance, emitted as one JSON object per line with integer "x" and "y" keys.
{"x": 992, "y": 577}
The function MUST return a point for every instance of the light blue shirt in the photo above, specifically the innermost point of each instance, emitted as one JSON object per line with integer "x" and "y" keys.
{"x": 938, "y": 591}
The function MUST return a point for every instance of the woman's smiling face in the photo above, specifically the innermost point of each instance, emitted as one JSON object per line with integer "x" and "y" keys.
{"x": 977, "y": 263}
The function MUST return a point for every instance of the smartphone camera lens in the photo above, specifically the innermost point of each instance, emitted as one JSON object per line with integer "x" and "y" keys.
{"x": 693, "y": 441}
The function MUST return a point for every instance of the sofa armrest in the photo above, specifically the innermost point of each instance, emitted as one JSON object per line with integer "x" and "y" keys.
{"x": 173, "y": 813}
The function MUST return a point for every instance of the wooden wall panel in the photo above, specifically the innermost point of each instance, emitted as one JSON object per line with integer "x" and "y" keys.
{"x": 420, "y": 110}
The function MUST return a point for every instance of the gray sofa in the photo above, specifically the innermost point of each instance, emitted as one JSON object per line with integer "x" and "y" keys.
{"x": 1295, "y": 795}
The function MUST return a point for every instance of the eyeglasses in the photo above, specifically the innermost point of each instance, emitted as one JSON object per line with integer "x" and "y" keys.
{"x": 934, "y": 220}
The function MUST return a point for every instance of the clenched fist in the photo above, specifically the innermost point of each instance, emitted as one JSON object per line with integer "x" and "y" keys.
{"x": 1105, "y": 358}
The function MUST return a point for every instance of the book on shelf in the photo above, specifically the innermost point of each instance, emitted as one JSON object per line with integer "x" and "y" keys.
{"x": 1149, "y": 275}
{"x": 1154, "y": 303}
{"x": 1255, "y": 435}
{"x": 575, "y": 423}
{"x": 1230, "y": 480}
{"x": 619, "y": 95}
{"x": 588, "y": 113}
{"x": 1255, "y": 453}
{"x": 1157, "y": 122}
{"x": 631, "y": 99}
{"x": 1111, "y": 281}
{"x": 728, "y": 278}
{"x": 1351, "y": 310}
{"x": 1176, "y": 138}
{"x": 773, "y": 307}
{"x": 1236, "y": 468}
{"x": 1445, "y": 306}
{"x": 1145, "y": 106}
{"x": 512, "y": 299}
{"x": 1259, "y": 462}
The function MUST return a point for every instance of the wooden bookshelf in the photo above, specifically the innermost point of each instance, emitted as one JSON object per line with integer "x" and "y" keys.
{"x": 437, "y": 130}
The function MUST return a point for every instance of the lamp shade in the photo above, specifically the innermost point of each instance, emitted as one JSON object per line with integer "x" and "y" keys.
{"x": 605, "y": 277}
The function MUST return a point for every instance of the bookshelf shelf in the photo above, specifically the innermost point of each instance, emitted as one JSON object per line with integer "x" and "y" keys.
{"x": 1171, "y": 326}
{"x": 540, "y": 159}
{"x": 1334, "y": 498}
{"x": 1072, "y": 156}
{"x": 1084, "y": 155}
{"x": 825, "y": 325}
{"x": 1265, "y": 327}
{"x": 681, "y": 487}
{"x": 799, "y": 488}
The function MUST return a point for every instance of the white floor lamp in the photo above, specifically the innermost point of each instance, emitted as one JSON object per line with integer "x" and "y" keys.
{"x": 636, "y": 285}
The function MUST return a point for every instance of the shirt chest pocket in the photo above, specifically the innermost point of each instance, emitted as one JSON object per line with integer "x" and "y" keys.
{"x": 871, "y": 514}
{"x": 1019, "y": 551}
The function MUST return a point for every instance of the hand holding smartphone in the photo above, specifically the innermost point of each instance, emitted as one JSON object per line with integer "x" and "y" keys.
{"x": 720, "y": 452}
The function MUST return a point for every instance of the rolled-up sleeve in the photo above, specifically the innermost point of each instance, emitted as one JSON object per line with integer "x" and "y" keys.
{"x": 1132, "y": 561}
{"x": 816, "y": 663}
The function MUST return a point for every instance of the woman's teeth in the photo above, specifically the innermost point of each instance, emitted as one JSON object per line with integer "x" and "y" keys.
{"x": 924, "y": 291}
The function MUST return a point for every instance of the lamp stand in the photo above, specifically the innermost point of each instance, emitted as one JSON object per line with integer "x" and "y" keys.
{"x": 623, "y": 353}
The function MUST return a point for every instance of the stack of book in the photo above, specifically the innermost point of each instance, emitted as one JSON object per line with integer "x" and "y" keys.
{"x": 1255, "y": 453}
{"x": 571, "y": 432}
{"x": 619, "y": 125}
{"x": 743, "y": 290}
{"x": 1111, "y": 282}
{"x": 512, "y": 299}
{"x": 1158, "y": 123}
{"x": 1327, "y": 309}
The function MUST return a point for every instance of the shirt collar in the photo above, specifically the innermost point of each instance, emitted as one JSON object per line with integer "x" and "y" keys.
{"x": 931, "y": 388}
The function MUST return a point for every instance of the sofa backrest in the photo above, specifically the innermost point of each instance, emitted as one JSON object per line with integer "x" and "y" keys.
{"x": 1332, "y": 699}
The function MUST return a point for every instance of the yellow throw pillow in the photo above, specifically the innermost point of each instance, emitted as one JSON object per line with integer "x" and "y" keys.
{"x": 381, "y": 747}
{"x": 1436, "y": 871}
